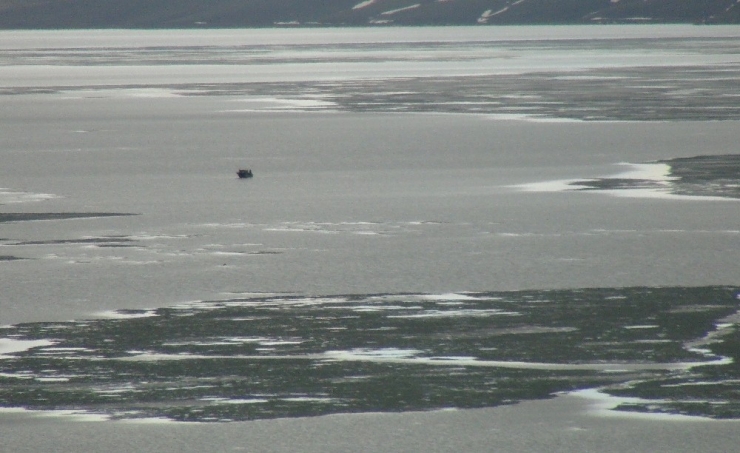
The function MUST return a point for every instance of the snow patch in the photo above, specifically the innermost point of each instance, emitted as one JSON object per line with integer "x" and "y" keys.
{"x": 364, "y": 4}
{"x": 405, "y": 8}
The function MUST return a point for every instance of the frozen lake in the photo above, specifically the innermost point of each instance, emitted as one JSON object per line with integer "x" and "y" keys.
{"x": 437, "y": 183}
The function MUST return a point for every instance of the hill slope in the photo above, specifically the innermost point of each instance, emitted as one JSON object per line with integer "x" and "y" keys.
{"x": 31, "y": 14}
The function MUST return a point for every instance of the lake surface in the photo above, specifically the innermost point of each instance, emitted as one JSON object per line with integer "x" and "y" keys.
{"x": 439, "y": 218}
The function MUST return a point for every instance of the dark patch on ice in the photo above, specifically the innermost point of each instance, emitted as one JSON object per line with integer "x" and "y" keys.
{"x": 10, "y": 258}
{"x": 649, "y": 93}
{"x": 717, "y": 176}
{"x": 288, "y": 356}
{"x": 102, "y": 241}
{"x": 31, "y": 216}
{"x": 699, "y": 176}
{"x": 617, "y": 184}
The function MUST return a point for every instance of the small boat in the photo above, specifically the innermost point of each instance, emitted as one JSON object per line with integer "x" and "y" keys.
{"x": 242, "y": 173}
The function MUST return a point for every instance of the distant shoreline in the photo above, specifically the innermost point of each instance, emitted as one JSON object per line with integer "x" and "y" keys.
{"x": 359, "y": 26}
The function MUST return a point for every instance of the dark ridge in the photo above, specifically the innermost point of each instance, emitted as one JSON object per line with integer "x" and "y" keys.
{"x": 31, "y": 216}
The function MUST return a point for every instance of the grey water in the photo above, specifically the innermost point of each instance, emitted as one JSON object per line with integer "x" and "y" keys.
{"x": 390, "y": 253}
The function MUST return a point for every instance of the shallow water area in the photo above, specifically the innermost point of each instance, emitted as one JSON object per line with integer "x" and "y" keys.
{"x": 245, "y": 358}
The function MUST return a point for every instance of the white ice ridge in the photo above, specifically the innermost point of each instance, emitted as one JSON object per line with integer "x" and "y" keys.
{"x": 122, "y": 93}
{"x": 410, "y": 357}
{"x": 8, "y": 196}
{"x": 229, "y": 341}
{"x": 533, "y": 118}
{"x": 272, "y": 104}
{"x": 117, "y": 314}
{"x": 657, "y": 172}
{"x": 448, "y": 296}
{"x": 652, "y": 172}
{"x": 10, "y": 346}
{"x": 458, "y": 313}
{"x": 76, "y": 415}
{"x": 87, "y": 416}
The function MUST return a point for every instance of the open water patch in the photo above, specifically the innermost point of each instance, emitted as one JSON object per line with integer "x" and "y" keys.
{"x": 275, "y": 355}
